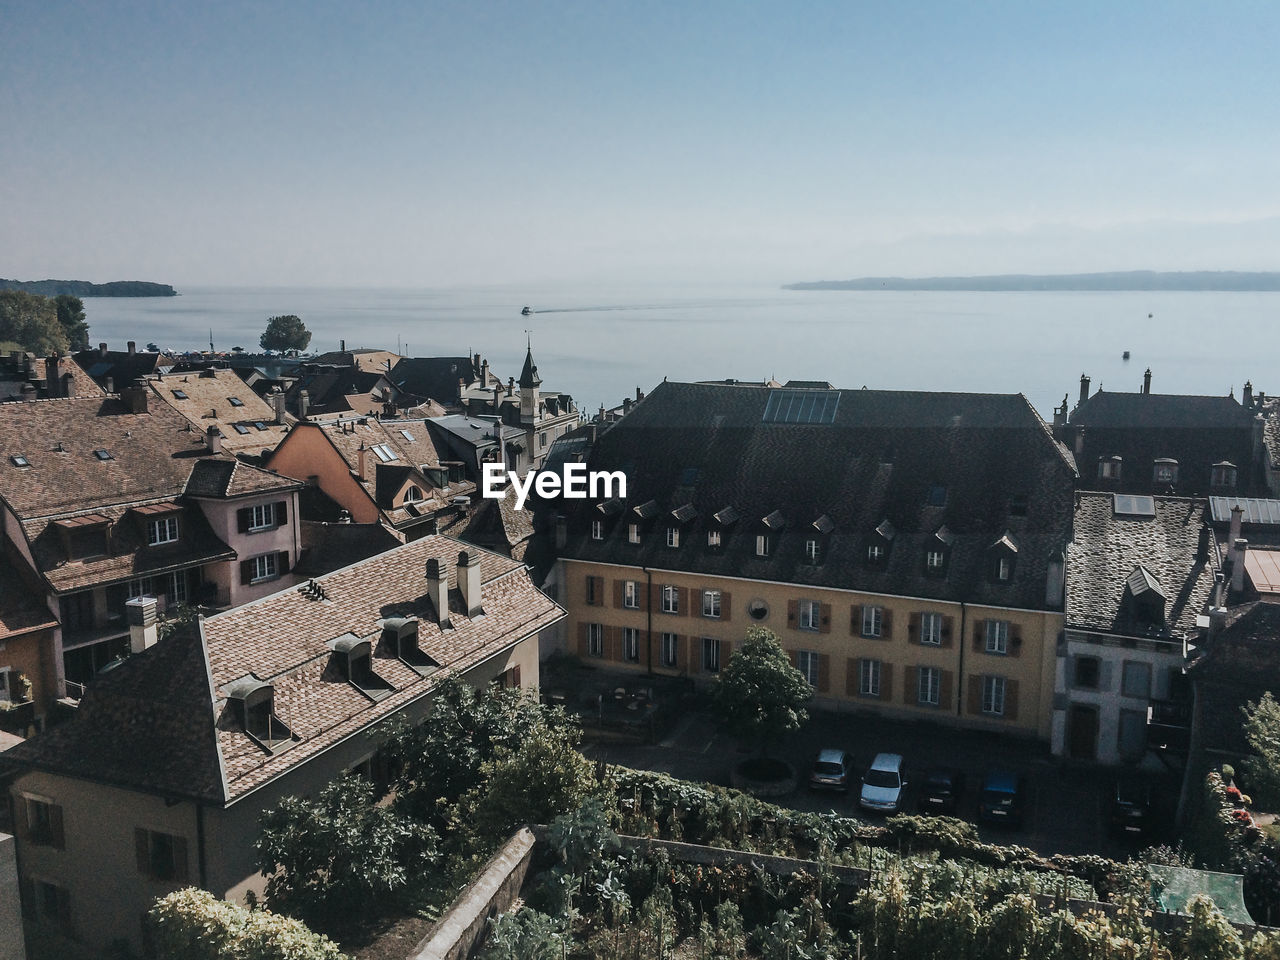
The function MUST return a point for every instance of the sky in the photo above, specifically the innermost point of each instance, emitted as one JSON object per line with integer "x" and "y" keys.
{"x": 470, "y": 143}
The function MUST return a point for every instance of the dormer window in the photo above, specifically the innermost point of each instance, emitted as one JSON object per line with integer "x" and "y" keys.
{"x": 1224, "y": 474}
{"x": 762, "y": 545}
{"x": 815, "y": 544}
{"x": 402, "y": 634}
{"x": 1004, "y": 569}
{"x": 254, "y": 703}
{"x": 713, "y": 539}
{"x": 597, "y": 529}
{"x": 1165, "y": 471}
{"x": 354, "y": 659}
{"x": 1004, "y": 553}
{"x": 673, "y": 537}
{"x": 813, "y": 551}
{"x": 1109, "y": 468}
{"x": 162, "y": 530}
{"x": 633, "y": 533}
{"x": 412, "y": 494}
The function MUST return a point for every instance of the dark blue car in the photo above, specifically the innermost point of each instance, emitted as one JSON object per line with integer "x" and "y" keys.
{"x": 1002, "y": 798}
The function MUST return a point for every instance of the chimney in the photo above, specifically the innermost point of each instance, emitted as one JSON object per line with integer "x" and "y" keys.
{"x": 1055, "y": 581}
{"x": 469, "y": 581}
{"x": 360, "y": 461}
{"x": 484, "y": 373}
{"x": 1237, "y": 568}
{"x": 68, "y": 388}
{"x": 1146, "y": 382}
{"x": 133, "y": 347}
{"x": 1202, "y": 546}
{"x": 52, "y": 383}
{"x": 28, "y": 391}
{"x": 511, "y": 386}
{"x": 438, "y": 590}
{"x": 277, "y": 405}
{"x": 1237, "y": 517}
{"x": 342, "y": 346}
{"x": 1084, "y": 388}
{"x": 462, "y": 386}
{"x": 1246, "y": 395}
{"x": 304, "y": 404}
{"x": 475, "y": 365}
{"x": 102, "y": 351}
{"x": 626, "y": 405}
{"x": 141, "y": 614}
{"x": 213, "y": 440}
{"x": 1060, "y": 418}
{"x": 1079, "y": 441}
{"x": 502, "y": 450}
{"x": 135, "y": 397}
{"x": 1217, "y": 621}
{"x": 601, "y": 415}
{"x": 111, "y": 385}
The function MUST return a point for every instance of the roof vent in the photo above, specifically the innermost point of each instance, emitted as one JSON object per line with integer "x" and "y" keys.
{"x": 254, "y": 703}
{"x": 313, "y": 591}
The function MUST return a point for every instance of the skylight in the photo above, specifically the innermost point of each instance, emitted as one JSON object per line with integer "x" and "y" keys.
{"x": 384, "y": 452}
{"x": 102, "y": 454}
{"x": 19, "y": 460}
{"x": 179, "y": 394}
{"x": 408, "y": 436}
{"x": 260, "y": 425}
{"x": 236, "y": 401}
{"x": 801, "y": 406}
{"x": 240, "y": 428}
{"x": 1129, "y": 505}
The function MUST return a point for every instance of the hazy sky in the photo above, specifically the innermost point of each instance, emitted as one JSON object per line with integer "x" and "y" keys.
{"x": 428, "y": 143}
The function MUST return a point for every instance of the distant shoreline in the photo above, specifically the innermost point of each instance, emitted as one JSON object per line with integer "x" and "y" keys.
{"x": 83, "y": 288}
{"x": 1132, "y": 280}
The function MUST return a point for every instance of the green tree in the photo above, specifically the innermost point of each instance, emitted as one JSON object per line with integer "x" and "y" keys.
{"x": 759, "y": 696}
{"x": 1262, "y": 730}
{"x": 339, "y": 855}
{"x": 193, "y": 924}
{"x": 285, "y": 333}
{"x": 71, "y": 318}
{"x": 31, "y": 321}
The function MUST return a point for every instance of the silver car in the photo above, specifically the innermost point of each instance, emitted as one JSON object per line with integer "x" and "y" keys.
{"x": 882, "y": 785}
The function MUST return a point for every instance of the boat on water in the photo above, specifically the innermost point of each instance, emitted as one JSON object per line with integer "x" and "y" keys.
{"x": 525, "y": 312}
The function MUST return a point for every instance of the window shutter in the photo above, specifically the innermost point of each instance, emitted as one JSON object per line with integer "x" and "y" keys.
{"x": 913, "y": 628}
{"x": 618, "y": 587}
{"x": 886, "y": 624}
{"x": 64, "y": 911}
{"x": 584, "y": 645}
{"x": 975, "y": 695}
{"x": 886, "y": 680}
{"x": 180, "y": 856}
{"x": 824, "y": 672}
{"x": 794, "y": 657}
{"x": 910, "y": 693}
{"x": 724, "y": 605}
{"x": 57, "y": 837}
{"x": 851, "y": 668}
{"x": 793, "y": 612}
{"x": 20, "y": 825}
{"x": 142, "y": 850}
{"x": 1011, "y": 699}
{"x": 944, "y": 689}
{"x": 686, "y": 603}
{"x": 946, "y": 631}
{"x": 246, "y": 571}
{"x": 1015, "y": 640}
{"x": 726, "y": 651}
{"x": 282, "y": 562}
{"x": 282, "y": 513}
{"x": 979, "y": 635}
{"x": 244, "y": 517}
{"x": 824, "y": 618}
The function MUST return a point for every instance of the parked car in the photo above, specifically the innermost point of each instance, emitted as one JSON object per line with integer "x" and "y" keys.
{"x": 831, "y": 771}
{"x": 941, "y": 792}
{"x": 1131, "y": 807}
{"x": 882, "y": 785}
{"x": 1002, "y": 798}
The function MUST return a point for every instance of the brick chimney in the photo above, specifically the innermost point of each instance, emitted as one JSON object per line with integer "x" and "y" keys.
{"x": 1084, "y": 388}
{"x": 102, "y": 351}
{"x": 1146, "y": 382}
{"x": 1237, "y": 569}
{"x": 141, "y": 615}
{"x": 277, "y": 405}
{"x": 1246, "y": 395}
{"x": 304, "y": 404}
{"x": 469, "y": 581}
{"x": 133, "y": 347}
{"x": 213, "y": 440}
{"x": 438, "y": 590}
{"x": 52, "y": 382}
{"x": 1237, "y": 518}
{"x": 135, "y": 397}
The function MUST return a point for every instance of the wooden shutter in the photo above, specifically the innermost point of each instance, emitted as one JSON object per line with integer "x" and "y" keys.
{"x": 979, "y": 635}
{"x": 686, "y": 602}
{"x": 515, "y": 676}
{"x": 824, "y": 672}
{"x": 725, "y": 609}
{"x": 794, "y": 657}
{"x": 886, "y": 623}
{"x": 142, "y": 850}
{"x": 910, "y": 693}
{"x": 726, "y": 651}
{"x": 180, "y": 855}
{"x": 1011, "y": 699}
{"x": 975, "y": 695}
{"x": 584, "y": 643}
{"x": 246, "y": 571}
{"x": 282, "y": 562}
{"x": 824, "y": 618}
{"x": 1015, "y": 640}
{"x": 913, "y": 628}
{"x": 282, "y": 513}
{"x": 945, "y": 683}
{"x": 244, "y": 519}
{"x": 619, "y": 586}
{"x": 20, "y": 825}
{"x": 886, "y": 680}
{"x": 57, "y": 836}
{"x": 946, "y": 631}
{"x": 793, "y": 613}
{"x": 851, "y": 677}
{"x": 682, "y": 653}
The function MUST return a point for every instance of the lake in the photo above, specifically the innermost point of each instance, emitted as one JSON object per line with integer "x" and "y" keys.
{"x": 600, "y": 343}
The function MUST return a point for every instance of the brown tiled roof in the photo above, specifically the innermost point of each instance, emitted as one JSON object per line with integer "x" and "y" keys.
{"x": 20, "y": 609}
{"x": 1108, "y": 547}
{"x": 369, "y": 361}
{"x": 230, "y": 478}
{"x": 208, "y": 403}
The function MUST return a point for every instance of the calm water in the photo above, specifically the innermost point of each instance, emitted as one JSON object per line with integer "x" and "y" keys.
{"x": 599, "y": 344}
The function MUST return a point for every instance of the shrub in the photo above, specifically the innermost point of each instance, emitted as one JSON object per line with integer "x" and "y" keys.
{"x": 193, "y": 924}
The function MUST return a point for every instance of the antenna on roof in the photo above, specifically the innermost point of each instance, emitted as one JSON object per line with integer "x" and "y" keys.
{"x": 211, "y": 339}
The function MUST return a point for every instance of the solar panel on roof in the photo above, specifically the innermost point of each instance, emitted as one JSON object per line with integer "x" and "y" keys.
{"x": 801, "y": 406}
{"x": 1254, "y": 510}
{"x": 1129, "y": 505}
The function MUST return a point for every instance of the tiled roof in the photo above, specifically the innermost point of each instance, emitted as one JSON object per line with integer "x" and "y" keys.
{"x": 207, "y": 402}
{"x": 230, "y": 478}
{"x": 21, "y": 610}
{"x": 434, "y": 377}
{"x": 1109, "y": 549}
{"x": 337, "y": 390}
{"x": 1271, "y": 431}
{"x": 991, "y": 456}
{"x": 121, "y": 366}
{"x": 369, "y": 361}
{"x": 1239, "y": 665}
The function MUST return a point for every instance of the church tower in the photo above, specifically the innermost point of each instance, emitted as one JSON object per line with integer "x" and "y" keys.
{"x": 529, "y": 383}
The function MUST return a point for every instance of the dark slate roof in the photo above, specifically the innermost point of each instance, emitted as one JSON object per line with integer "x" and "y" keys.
{"x": 434, "y": 377}
{"x": 529, "y": 373}
{"x": 879, "y": 460}
{"x": 1239, "y": 665}
{"x": 1113, "y": 555}
{"x": 1143, "y": 428}
{"x": 222, "y": 479}
{"x": 121, "y": 366}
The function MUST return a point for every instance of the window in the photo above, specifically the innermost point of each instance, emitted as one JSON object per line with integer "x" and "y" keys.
{"x": 264, "y": 567}
{"x": 235, "y": 401}
{"x": 710, "y": 655}
{"x": 1109, "y": 468}
{"x": 595, "y": 639}
{"x": 869, "y": 678}
{"x": 711, "y": 603}
{"x": 103, "y": 454}
{"x": 872, "y": 620}
{"x": 928, "y": 686}
{"x": 713, "y": 539}
{"x": 48, "y": 903}
{"x": 875, "y": 552}
{"x": 44, "y": 822}
{"x": 384, "y": 452}
{"x": 597, "y": 529}
{"x": 1224, "y": 475}
{"x": 1136, "y": 680}
{"x": 631, "y": 594}
{"x": 593, "y": 591}
{"x": 161, "y": 856}
{"x": 931, "y": 629}
{"x": 812, "y": 551}
{"x": 262, "y": 517}
{"x": 163, "y": 530}
{"x": 670, "y": 599}
{"x": 935, "y": 560}
{"x": 19, "y": 460}
{"x": 630, "y": 644}
{"x": 179, "y": 394}
{"x": 412, "y": 494}
{"x": 810, "y": 614}
{"x": 409, "y": 437}
{"x": 993, "y": 696}
{"x": 176, "y": 587}
{"x": 240, "y": 428}
{"x": 1166, "y": 471}
{"x": 997, "y": 637}
{"x": 1132, "y": 734}
{"x": 1088, "y": 672}
{"x": 6, "y": 691}
{"x": 762, "y": 545}
{"x": 670, "y": 649}
{"x": 1004, "y": 569}
{"x": 673, "y": 536}
{"x": 258, "y": 424}
{"x": 807, "y": 663}
{"x": 633, "y": 533}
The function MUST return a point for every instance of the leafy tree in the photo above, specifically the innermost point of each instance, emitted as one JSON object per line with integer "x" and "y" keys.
{"x": 193, "y": 924}
{"x": 337, "y": 855}
{"x": 71, "y": 318}
{"x": 759, "y": 695}
{"x": 1262, "y": 730}
{"x": 31, "y": 321}
{"x": 285, "y": 333}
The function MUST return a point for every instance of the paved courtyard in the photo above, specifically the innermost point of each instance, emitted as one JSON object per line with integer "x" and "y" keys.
{"x": 1067, "y": 806}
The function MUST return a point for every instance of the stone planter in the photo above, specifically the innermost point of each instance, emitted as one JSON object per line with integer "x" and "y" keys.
{"x": 764, "y": 778}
